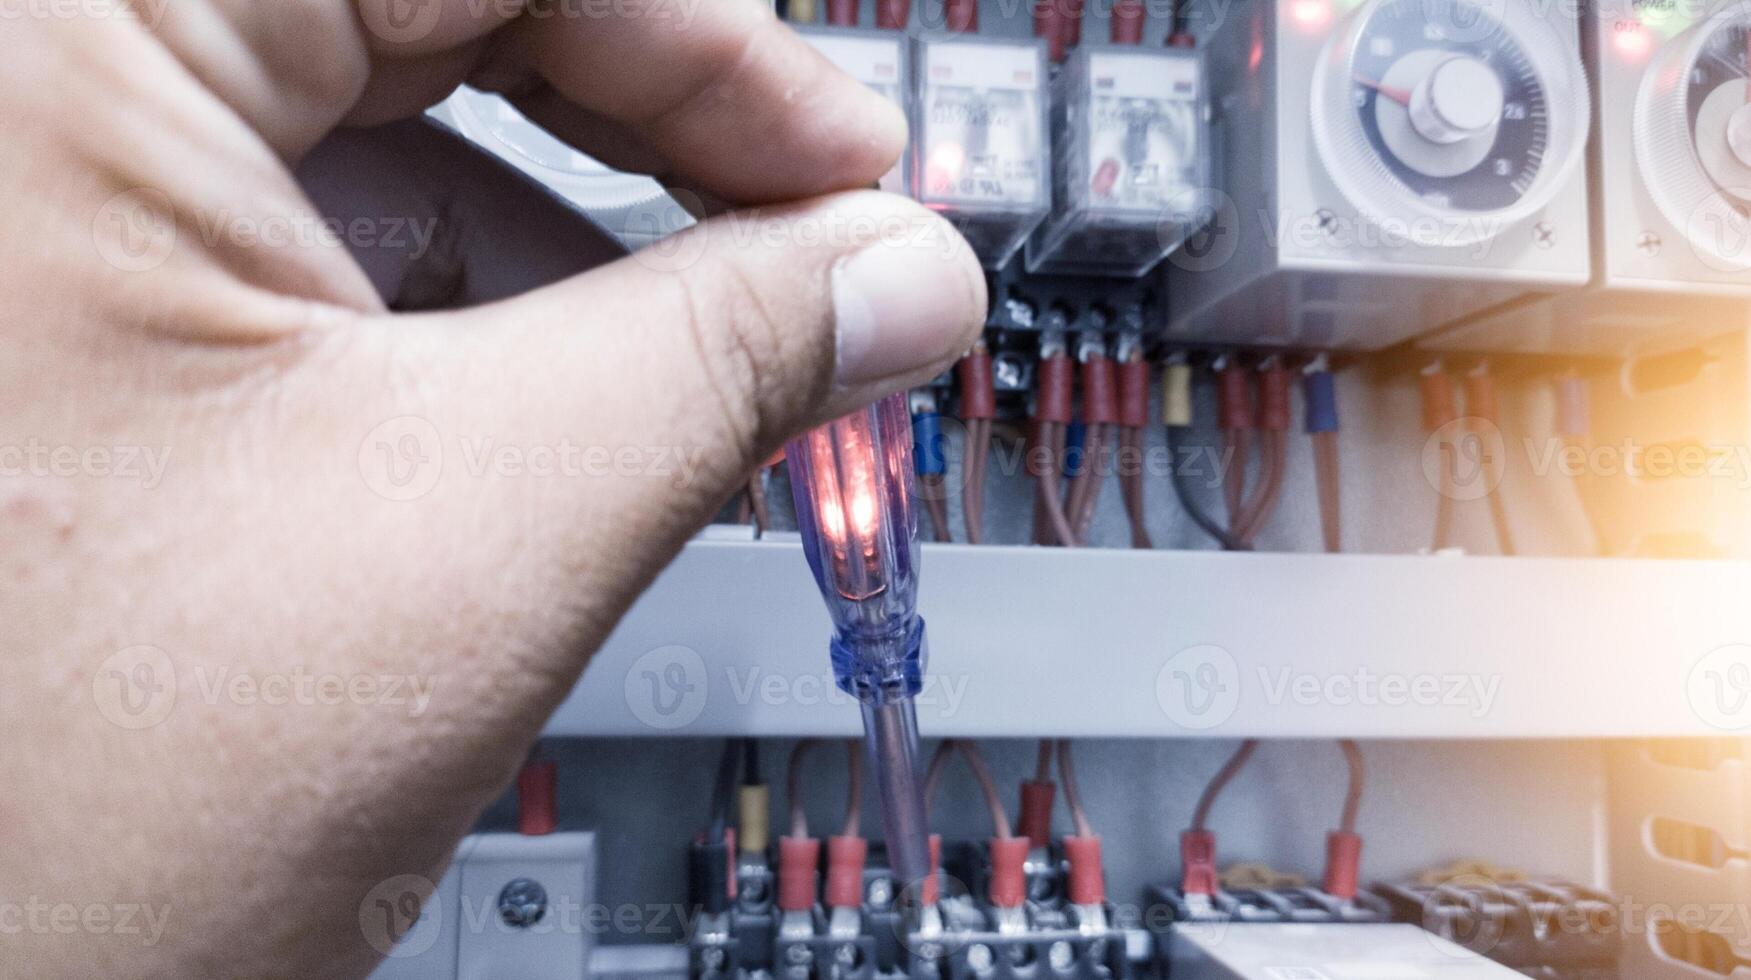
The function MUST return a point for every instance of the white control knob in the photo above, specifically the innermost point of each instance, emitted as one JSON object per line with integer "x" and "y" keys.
{"x": 1460, "y": 99}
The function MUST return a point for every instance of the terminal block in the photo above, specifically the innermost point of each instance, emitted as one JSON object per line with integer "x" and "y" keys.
{"x": 1132, "y": 164}
{"x": 1554, "y": 930}
{"x": 981, "y": 157}
{"x": 1170, "y": 910}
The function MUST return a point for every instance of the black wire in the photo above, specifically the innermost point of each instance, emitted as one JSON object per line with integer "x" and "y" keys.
{"x": 723, "y": 792}
{"x": 1188, "y": 501}
{"x": 750, "y": 762}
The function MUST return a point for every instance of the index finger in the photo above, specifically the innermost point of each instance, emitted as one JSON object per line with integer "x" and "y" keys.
{"x": 728, "y": 100}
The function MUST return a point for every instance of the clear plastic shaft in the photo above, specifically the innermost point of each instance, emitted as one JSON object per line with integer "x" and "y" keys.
{"x": 852, "y": 484}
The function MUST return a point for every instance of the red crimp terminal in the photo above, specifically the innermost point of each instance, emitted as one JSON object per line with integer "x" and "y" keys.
{"x": 1072, "y": 29}
{"x": 842, "y": 13}
{"x": 798, "y": 857}
{"x": 1087, "y": 885}
{"x": 1438, "y": 406}
{"x": 1100, "y": 402}
{"x": 1055, "y": 385}
{"x": 1234, "y": 399}
{"x": 1049, "y": 26}
{"x": 978, "y": 390}
{"x": 1480, "y": 398}
{"x": 1036, "y": 812}
{"x": 1181, "y": 41}
{"x": 845, "y": 857}
{"x": 1197, "y": 852}
{"x": 961, "y": 16}
{"x": 1274, "y": 385}
{"x": 1343, "y": 862}
{"x": 1127, "y": 21}
{"x": 1134, "y": 394}
{"x": 892, "y": 15}
{"x": 1008, "y": 871}
{"x": 930, "y": 890}
{"x": 730, "y": 861}
{"x": 537, "y": 807}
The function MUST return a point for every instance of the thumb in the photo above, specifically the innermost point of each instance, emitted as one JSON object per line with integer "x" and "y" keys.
{"x": 665, "y": 378}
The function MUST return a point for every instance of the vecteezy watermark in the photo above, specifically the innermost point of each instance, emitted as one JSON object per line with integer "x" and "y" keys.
{"x": 403, "y": 459}
{"x": 1718, "y": 687}
{"x": 1465, "y": 459}
{"x": 39, "y": 917}
{"x": 138, "y": 230}
{"x": 34, "y": 458}
{"x": 668, "y": 688}
{"x": 412, "y": 21}
{"x": 148, "y": 12}
{"x": 397, "y": 920}
{"x": 1201, "y": 687}
{"x": 137, "y": 687}
{"x": 679, "y": 243}
{"x": 1198, "y": 688}
{"x": 1363, "y": 688}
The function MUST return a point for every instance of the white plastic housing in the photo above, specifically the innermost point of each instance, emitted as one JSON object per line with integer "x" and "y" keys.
{"x": 1132, "y": 163}
{"x": 979, "y": 132}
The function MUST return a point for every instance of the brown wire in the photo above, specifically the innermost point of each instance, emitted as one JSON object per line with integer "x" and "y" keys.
{"x": 1131, "y": 485}
{"x": 981, "y": 772}
{"x": 793, "y": 787}
{"x": 793, "y": 783}
{"x": 1043, "y": 765}
{"x": 1056, "y": 519}
{"x": 1225, "y": 775}
{"x": 854, "y": 790}
{"x": 973, "y": 479}
{"x": 1235, "y": 443}
{"x": 930, "y": 487}
{"x": 1072, "y": 795}
{"x": 1353, "y": 795}
{"x": 1325, "y": 467}
{"x": 1096, "y": 462}
{"x": 1275, "y": 453}
{"x": 1444, "y": 496}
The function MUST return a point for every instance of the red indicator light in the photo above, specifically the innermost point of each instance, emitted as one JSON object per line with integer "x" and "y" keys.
{"x": 1632, "y": 41}
{"x": 1310, "y": 15}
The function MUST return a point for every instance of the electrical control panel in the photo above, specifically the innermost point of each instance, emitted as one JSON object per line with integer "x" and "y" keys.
{"x": 1388, "y": 168}
{"x": 1131, "y": 161}
{"x": 1671, "y": 169}
{"x": 878, "y": 59}
{"x": 982, "y": 158}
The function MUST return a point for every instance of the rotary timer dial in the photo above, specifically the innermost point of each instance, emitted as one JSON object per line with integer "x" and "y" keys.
{"x": 1448, "y": 121}
{"x": 1693, "y": 136}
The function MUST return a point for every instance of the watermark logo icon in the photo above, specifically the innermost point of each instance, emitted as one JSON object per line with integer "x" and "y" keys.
{"x": 396, "y": 919}
{"x": 401, "y": 21}
{"x": 1465, "y": 458}
{"x": 1719, "y": 687}
{"x": 402, "y": 459}
{"x": 666, "y": 688}
{"x": 135, "y": 688}
{"x": 135, "y": 231}
{"x": 1198, "y": 688}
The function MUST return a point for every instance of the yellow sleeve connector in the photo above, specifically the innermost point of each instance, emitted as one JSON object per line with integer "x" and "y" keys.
{"x": 751, "y": 831}
{"x": 1176, "y": 395}
{"x": 801, "y": 11}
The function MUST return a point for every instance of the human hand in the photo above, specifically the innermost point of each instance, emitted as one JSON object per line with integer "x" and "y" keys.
{"x": 220, "y": 477}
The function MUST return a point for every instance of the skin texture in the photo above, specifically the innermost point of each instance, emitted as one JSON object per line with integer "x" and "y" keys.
{"x": 149, "y": 772}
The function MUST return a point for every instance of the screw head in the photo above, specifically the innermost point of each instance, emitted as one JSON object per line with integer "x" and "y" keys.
{"x": 799, "y": 955}
{"x": 979, "y": 958}
{"x": 1543, "y": 235}
{"x": 880, "y": 893}
{"x": 712, "y": 958}
{"x": 1649, "y": 243}
{"x": 522, "y": 903}
{"x": 846, "y": 955}
{"x": 1060, "y": 955}
{"x": 1328, "y": 220}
